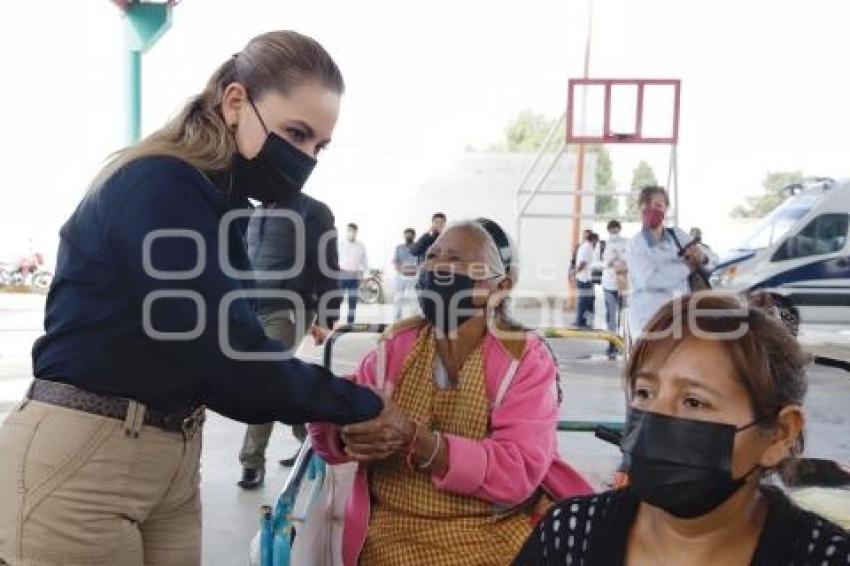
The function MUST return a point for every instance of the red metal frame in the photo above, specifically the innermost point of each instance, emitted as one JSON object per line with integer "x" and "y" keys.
{"x": 612, "y": 137}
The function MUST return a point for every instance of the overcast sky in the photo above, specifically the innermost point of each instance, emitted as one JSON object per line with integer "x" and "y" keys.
{"x": 765, "y": 87}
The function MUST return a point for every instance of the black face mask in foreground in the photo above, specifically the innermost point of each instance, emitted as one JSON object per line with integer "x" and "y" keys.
{"x": 276, "y": 173}
{"x": 682, "y": 466}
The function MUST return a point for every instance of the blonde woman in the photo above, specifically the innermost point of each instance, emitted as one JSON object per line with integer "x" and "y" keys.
{"x": 100, "y": 461}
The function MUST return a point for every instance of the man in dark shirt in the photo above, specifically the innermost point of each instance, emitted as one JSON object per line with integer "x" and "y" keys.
{"x": 420, "y": 247}
{"x": 273, "y": 243}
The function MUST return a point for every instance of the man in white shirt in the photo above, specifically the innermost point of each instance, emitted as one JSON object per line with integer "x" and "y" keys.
{"x": 614, "y": 281}
{"x": 584, "y": 282}
{"x": 352, "y": 266}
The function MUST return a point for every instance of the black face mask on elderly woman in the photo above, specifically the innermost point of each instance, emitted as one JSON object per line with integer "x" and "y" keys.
{"x": 446, "y": 298}
{"x": 276, "y": 174}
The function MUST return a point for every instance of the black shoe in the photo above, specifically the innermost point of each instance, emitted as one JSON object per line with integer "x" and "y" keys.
{"x": 289, "y": 462}
{"x": 252, "y": 478}
{"x": 612, "y": 353}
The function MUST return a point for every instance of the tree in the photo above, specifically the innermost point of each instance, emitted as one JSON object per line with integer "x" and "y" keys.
{"x": 526, "y": 132}
{"x": 642, "y": 176}
{"x": 773, "y": 184}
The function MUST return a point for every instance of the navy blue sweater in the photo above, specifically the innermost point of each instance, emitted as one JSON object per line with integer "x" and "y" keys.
{"x": 95, "y": 336}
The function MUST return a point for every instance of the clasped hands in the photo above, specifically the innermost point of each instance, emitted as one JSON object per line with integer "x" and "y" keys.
{"x": 391, "y": 432}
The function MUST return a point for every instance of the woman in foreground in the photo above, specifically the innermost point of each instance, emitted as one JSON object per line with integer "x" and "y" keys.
{"x": 100, "y": 464}
{"x": 714, "y": 412}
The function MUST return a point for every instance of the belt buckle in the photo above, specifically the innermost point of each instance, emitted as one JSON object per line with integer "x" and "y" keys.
{"x": 193, "y": 423}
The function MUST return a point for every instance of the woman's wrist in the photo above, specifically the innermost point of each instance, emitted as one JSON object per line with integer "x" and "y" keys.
{"x": 410, "y": 430}
{"x": 429, "y": 462}
{"x": 424, "y": 446}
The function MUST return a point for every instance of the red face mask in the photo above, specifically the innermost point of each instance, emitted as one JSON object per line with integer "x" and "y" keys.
{"x": 652, "y": 217}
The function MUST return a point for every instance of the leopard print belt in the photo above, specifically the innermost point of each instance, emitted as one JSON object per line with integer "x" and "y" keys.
{"x": 186, "y": 422}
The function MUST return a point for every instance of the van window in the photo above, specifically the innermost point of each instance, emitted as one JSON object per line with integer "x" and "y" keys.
{"x": 825, "y": 234}
{"x": 774, "y": 226}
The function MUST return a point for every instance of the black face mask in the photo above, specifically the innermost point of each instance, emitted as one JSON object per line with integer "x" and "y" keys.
{"x": 436, "y": 291}
{"x": 682, "y": 466}
{"x": 276, "y": 173}
{"x": 408, "y": 240}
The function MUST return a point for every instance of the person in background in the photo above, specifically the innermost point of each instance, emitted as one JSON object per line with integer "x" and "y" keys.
{"x": 657, "y": 270}
{"x": 596, "y": 268}
{"x": 271, "y": 242}
{"x": 614, "y": 279}
{"x": 571, "y": 274}
{"x": 420, "y": 248}
{"x": 353, "y": 264}
{"x": 712, "y": 256}
{"x": 710, "y": 421}
{"x": 584, "y": 281}
{"x": 406, "y": 265}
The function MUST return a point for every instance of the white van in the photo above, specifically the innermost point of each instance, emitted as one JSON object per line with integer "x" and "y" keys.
{"x": 799, "y": 253}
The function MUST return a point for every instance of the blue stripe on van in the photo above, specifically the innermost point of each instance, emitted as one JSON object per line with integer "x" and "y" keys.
{"x": 835, "y": 268}
{"x": 823, "y": 296}
{"x": 821, "y": 299}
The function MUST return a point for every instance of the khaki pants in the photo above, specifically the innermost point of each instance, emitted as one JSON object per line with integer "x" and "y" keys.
{"x": 281, "y": 326}
{"x": 78, "y": 488}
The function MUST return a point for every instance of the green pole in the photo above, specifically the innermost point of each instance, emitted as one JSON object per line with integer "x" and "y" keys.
{"x": 134, "y": 126}
{"x": 146, "y": 23}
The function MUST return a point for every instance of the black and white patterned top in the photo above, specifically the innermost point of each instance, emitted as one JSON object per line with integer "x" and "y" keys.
{"x": 593, "y": 531}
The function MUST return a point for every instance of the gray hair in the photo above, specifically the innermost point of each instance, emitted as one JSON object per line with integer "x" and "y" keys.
{"x": 492, "y": 255}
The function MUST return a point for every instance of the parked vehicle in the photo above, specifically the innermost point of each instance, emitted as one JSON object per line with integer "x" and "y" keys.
{"x": 26, "y": 270}
{"x": 799, "y": 254}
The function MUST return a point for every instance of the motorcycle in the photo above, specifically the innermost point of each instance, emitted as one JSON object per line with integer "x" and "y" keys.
{"x": 27, "y": 270}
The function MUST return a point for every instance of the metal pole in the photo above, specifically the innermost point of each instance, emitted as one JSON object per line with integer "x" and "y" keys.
{"x": 673, "y": 179}
{"x": 581, "y": 150}
{"x": 146, "y": 23}
{"x": 542, "y": 179}
{"x": 543, "y": 147}
{"x": 537, "y": 158}
{"x": 134, "y": 123}
{"x": 576, "y": 228}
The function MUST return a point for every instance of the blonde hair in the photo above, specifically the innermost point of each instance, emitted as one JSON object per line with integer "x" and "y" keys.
{"x": 198, "y": 135}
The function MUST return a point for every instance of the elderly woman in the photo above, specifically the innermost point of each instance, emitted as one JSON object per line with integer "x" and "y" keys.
{"x": 464, "y": 458}
{"x": 715, "y": 389}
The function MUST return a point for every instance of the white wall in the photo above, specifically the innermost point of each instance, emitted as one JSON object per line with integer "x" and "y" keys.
{"x": 484, "y": 184}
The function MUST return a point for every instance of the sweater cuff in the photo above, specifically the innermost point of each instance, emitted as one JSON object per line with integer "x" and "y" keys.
{"x": 467, "y": 460}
